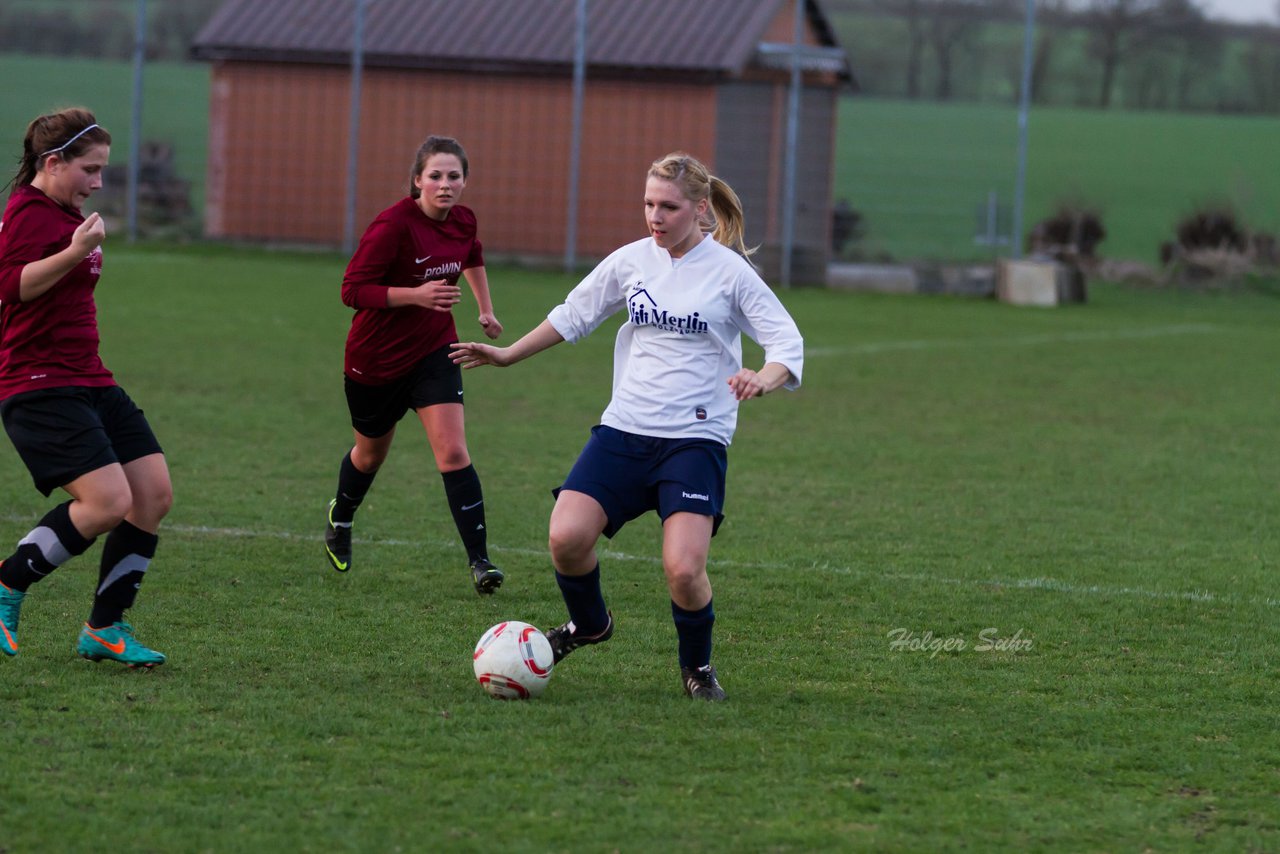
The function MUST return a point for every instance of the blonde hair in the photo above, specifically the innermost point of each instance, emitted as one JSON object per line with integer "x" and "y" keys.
{"x": 725, "y": 221}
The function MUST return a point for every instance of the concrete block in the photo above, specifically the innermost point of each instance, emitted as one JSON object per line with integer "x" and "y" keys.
{"x": 1032, "y": 283}
{"x": 880, "y": 278}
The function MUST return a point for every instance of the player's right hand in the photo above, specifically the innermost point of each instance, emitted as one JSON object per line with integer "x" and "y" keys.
{"x": 89, "y": 235}
{"x": 438, "y": 294}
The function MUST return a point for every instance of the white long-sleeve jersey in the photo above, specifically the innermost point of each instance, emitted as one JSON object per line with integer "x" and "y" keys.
{"x": 683, "y": 336}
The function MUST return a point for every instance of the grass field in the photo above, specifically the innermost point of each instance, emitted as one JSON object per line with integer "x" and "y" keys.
{"x": 1093, "y": 488}
{"x": 920, "y": 171}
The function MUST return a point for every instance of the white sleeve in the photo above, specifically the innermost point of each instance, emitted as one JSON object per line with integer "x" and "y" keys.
{"x": 589, "y": 304}
{"x": 763, "y": 319}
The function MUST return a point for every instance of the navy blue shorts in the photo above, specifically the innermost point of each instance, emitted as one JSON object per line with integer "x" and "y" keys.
{"x": 63, "y": 433}
{"x": 630, "y": 475}
{"x": 377, "y": 409}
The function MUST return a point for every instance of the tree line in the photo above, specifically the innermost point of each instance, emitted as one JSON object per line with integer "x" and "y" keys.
{"x": 101, "y": 29}
{"x": 1142, "y": 54}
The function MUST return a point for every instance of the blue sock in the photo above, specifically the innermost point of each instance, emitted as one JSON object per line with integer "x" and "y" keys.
{"x": 694, "y": 630}
{"x": 585, "y": 602}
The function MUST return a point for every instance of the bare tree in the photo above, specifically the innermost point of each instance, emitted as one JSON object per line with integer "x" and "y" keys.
{"x": 1262, "y": 65}
{"x": 1114, "y": 28}
{"x": 912, "y": 14}
{"x": 952, "y": 24}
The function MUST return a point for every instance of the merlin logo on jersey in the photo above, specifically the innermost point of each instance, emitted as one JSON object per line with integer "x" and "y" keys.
{"x": 643, "y": 310}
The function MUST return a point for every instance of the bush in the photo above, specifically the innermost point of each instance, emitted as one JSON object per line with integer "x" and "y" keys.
{"x": 1216, "y": 227}
{"x": 1071, "y": 235}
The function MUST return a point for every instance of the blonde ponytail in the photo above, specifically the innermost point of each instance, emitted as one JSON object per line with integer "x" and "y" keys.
{"x": 725, "y": 222}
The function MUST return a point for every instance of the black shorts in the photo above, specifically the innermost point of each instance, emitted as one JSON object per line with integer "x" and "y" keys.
{"x": 63, "y": 433}
{"x": 630, "y": 474}
{"x": 376, "y": 409}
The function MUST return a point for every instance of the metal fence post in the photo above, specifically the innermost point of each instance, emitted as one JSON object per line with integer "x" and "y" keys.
{"x": 353, "y": 127}
{"x": 135, "y": 138}
{"x": 1024, "y": 101}
{"x": 793, "y": 135}
{"x": 575, "y": 143}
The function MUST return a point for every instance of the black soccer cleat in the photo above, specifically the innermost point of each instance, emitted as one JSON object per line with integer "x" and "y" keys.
{"x": 700, "y": 683}
{"x": 564, "y": 640}
{"x": 485, "y": 576}
{"x": 337, "y": 541}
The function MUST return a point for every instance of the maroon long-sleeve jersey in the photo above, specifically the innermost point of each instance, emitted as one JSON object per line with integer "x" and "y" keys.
{"x": 403, "y": 248}
{"x": 53, "y": 339}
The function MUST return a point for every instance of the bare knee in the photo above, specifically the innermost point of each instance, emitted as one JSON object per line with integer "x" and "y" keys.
{"x": 369, "y": 460}
{"x": 102, "y": 511}
{"x": 687, "y": 579}
{"x": 572, "y": 551}
{"x": 680, "y": 577}
{"x": 452, "y": 457}
{"x": 151, "y": 503}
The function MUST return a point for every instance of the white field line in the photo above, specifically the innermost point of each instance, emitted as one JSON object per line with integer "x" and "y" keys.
{"x": 926, "y": 578}
{"x": 874, "y": 348}
{"x": 1048, "y": 584}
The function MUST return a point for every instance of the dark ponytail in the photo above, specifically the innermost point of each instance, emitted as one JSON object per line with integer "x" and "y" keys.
{"x": 68, "y": 133}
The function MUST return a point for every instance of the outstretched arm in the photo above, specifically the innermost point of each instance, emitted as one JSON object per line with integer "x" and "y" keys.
{"x": 472, "y": 355}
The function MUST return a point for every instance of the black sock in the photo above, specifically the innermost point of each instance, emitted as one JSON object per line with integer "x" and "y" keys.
{"x": 51, "y": 543}
{"x": 353, "y": 485}
{"x": 466, "y": 502}
{"x": 125, "y": 557}
{"x": 585, "y": 602}
{"x": 694, "y": 630}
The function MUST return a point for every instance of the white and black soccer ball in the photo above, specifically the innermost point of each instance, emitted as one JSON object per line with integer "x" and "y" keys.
{"x": 513, "y": 661}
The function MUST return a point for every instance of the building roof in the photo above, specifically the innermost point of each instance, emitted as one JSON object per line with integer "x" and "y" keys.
{"x": 708, "y": 38}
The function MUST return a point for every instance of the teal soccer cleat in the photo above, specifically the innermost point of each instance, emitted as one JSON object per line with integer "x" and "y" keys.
{"x": 10, "y": 605}
{"x": 117, "y": 643}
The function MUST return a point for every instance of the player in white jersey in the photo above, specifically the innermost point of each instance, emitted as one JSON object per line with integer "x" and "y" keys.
{"x": 677, "y": 382}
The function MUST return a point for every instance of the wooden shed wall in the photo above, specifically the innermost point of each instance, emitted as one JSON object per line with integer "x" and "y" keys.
{"x": 278, "y": 142}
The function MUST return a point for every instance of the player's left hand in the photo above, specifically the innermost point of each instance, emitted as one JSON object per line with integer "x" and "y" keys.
{"x": 490, "y": 325}
{"x": 746, "y": 383}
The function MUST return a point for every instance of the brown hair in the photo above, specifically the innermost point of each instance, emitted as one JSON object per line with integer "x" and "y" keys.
{"x": 67, "y": 133}
{"x": 726, "y": 222}
{"x": 436, "y": 145}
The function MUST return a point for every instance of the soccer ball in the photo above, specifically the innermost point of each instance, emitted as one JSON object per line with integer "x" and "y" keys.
{"x": 513, "y": 661}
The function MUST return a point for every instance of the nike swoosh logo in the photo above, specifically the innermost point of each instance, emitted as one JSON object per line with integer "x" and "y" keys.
{"x": 472, "y": 506}
{"x": 421, "y": 260}
{"x": 459, "y": 391}
{"x": 117, "y": 647}
{"x": 341, "y": 567}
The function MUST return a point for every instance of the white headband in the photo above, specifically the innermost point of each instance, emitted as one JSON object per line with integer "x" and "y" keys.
{"x": 68, "y": 142}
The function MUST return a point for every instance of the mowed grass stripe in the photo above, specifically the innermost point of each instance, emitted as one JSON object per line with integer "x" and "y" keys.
{"x": 1050, "y": 585}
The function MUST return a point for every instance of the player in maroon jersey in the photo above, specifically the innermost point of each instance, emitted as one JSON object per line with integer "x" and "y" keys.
{"x": 72, "y": 425}
{"x": 402, "y": 282}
